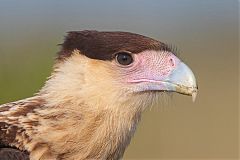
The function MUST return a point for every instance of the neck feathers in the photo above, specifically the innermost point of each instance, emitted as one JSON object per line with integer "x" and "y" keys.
{"x": 88, "y": 134}
{"x": 85, "y": 121}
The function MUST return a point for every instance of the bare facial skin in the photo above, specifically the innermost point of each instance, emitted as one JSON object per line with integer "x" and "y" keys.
{"x": 158, "y": 71}
{"x": 90, "y": 106}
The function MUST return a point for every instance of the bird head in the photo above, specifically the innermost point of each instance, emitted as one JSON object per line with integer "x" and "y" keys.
{"x": 110, "y": 67}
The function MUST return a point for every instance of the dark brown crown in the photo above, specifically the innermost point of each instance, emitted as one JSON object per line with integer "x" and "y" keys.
{"x": 104, "y": 45}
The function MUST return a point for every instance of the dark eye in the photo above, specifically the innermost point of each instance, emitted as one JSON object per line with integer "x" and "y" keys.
{"x": 124, "y": 58}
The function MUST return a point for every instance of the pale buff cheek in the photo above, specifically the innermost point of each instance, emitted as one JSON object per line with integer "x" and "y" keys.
{"x": 95, "y": 82}
{"x": 99, "y": 81}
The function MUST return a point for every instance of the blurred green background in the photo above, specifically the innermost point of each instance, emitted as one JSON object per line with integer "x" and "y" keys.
{"x": 206, "y": 33}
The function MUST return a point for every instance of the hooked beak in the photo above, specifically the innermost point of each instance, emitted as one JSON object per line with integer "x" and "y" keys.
{"x": 182, "y": 80}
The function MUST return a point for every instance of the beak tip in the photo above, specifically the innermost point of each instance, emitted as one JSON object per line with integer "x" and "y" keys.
{"x": 194, "y": 95}
{"x": 185, "y": 80}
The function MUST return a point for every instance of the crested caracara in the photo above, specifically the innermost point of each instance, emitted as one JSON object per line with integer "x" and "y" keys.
{"x": 92, "y": 102}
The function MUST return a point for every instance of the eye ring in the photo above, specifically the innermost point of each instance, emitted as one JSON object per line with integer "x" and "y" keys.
{"x": 124, "y": 58}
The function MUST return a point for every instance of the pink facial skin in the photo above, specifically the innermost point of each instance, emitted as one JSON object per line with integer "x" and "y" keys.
{"x": 150, "y": 69}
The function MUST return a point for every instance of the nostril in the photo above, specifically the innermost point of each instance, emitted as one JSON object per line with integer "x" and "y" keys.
{"x": 171, "y": 61}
